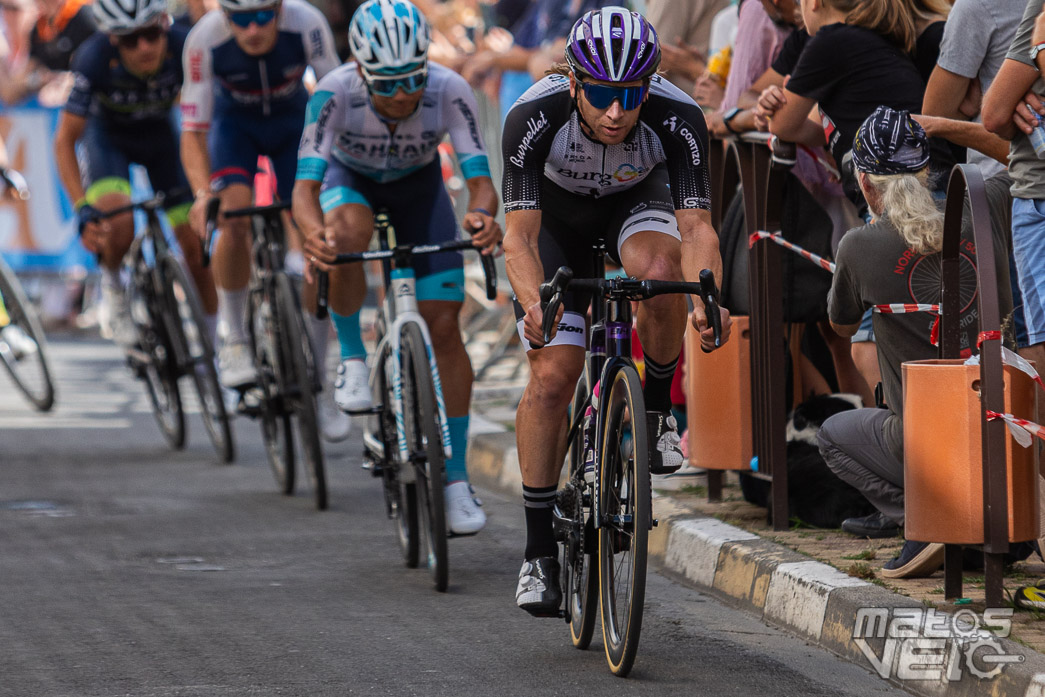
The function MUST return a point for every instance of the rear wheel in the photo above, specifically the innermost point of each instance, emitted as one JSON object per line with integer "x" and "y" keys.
{"x": 624, "y": 513}
{"x": 299, "y": 385}
{"x": 425, "y": 445}
{"x": 24, "y": 350}
{"x": 274, "y": 414}
{"x": 199, "y": 353}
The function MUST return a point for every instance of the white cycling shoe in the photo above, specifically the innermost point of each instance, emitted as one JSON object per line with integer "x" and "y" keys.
{"x": 464, "y": 515}
{"x": 18, "y": 341}
{"x": 236, "y": 365}
{"x": 352, "y": 386}
{"x": 334, "y": 424}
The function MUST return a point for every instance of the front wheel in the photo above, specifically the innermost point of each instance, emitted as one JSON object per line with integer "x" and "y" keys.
{"x": 623, "y": 507}
{"x": 580, "y": 576}
{"x": 274, "y": 414}
{"x": 425, "y": 445}
{"x": 299, "y": 385}
{"x": 199, "y": 354}
{"x": 23, "y": 348}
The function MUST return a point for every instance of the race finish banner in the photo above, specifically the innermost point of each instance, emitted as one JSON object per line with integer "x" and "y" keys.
{"x": 38, "y": 235}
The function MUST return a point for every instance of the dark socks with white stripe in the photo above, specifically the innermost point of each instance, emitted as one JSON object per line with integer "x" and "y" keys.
{"x": 540, "y": 537}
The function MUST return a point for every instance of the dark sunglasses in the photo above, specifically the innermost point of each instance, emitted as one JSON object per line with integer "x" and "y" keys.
{"x": 150, "y": 34}
{"x": 259, "y": 17}
{"x": 602, "y": 96}
{"x": 387, "y": 86}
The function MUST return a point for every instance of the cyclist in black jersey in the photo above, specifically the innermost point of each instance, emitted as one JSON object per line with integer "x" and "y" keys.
{"x": 127, "y": 78}
{"x": 606, "y": 149}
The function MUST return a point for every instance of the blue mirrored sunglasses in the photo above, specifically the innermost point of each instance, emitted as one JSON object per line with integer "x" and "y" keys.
{"x": 259, "y": 17}
{"x": 387, "y": 86}
{"x": 602, "y": 96}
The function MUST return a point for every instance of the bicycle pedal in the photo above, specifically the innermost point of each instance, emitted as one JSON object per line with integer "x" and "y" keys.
{"x": 656, "y": 522}
{"x": 376, "y": 409}
{"x": 376, "y": 469}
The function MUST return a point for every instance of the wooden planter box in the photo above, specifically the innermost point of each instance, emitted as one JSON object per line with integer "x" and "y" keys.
{"x": 943, "y": 464}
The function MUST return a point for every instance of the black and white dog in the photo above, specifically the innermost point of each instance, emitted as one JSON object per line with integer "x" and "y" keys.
{"x": 815, "y": 495}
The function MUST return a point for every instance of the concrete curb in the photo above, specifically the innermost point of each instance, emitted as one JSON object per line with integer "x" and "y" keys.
{"x": 810, "y": 599}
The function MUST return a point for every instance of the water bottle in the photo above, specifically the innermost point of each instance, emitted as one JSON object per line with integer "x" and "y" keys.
{"x": 1037, "y": 139}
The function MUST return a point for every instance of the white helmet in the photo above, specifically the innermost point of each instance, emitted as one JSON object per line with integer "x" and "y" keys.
{"x": 125, "y": 16}
{"x": 242, "y": 5}
{"x": 388, "y": 35}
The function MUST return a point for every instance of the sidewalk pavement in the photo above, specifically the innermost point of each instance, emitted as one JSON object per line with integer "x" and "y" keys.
{"x": 810, "y": 582}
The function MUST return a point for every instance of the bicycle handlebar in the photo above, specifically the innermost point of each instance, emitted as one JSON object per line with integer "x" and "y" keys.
{"x": 626, "y": 289}
{"x": 407, "y": 250}
{"x": 13, "y": 179}
{"x": 264, "y": 211}
{"x": 149, "y": 204}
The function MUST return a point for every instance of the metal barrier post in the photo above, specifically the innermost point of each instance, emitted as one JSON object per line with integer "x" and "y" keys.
{"x": 968, "y": 179}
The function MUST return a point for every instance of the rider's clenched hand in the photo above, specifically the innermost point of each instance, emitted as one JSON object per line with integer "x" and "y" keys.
{"x": 319, "y": 252}
{"x": 707, "y": 335}
{"x": 533, "y": 328}
{"x": 486, "y": 233}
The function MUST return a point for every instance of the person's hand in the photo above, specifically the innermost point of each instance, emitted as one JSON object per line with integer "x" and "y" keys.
{"x": 699, "y": 321}
{"x": 319, "y": 252}
{"x": 533, "y": 329}
{"x": 1038, "y": 35}
{"x": 683, "y": 59}
{"x": 486, "y": 233}
{"x": 477, "y": 67}
{"x": 769, "y": 102}
{"x": 93, "y": 232}
{"x": 716, "y": 126}
{"x": 1028, "y": 112}
{"x": 198, "y": 215}
{"x": 707, "y": 92}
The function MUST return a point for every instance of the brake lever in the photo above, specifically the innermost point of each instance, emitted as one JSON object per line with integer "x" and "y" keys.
{"x": 213, "y": 206}
{"x": 709, "y": 294}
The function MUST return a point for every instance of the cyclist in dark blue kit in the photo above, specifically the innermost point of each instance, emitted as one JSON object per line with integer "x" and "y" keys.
{"x": 127, "y": 78}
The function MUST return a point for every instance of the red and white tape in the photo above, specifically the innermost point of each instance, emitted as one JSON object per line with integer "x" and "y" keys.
{"x": 905, "y": 308}
{"x": 1021, "y": 429}
{"x": 779, "y": 239}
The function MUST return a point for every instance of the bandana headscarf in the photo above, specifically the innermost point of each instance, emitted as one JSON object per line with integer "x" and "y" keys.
{"x": 890, "y": 142}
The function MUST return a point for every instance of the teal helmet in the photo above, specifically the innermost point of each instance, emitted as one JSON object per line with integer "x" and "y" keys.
{"x": 389, "y": 36}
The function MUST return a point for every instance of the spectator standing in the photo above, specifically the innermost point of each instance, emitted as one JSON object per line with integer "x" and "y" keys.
{"x": 17, "y": 18}
{"x": 684, "y": 28}
{"x": 61, "y": 27}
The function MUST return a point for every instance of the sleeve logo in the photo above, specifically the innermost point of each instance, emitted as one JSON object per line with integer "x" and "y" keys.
{"x": 534, "y": 128}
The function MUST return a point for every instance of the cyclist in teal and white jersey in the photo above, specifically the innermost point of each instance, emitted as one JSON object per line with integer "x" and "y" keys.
{"x": 244, "y": 97}
{"x": 120, "y": 111}
{"x": 370, "y": 141}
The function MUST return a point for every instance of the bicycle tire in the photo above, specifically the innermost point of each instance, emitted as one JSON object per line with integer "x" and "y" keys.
{"x": 31, "y": 372}
{"x": 158, "y": 371}
{"x": 300, "y": 384}
{"x": 624, "y": 513}
{"x": 276, "y": 431}
{"x": 580, "y": 576}
{"x": 199, "y": 353}
{"x": 423, "y": 435}
{"x": 400, "y": 496}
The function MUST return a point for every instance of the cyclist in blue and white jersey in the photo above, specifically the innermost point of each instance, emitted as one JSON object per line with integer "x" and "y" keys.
{"x": 243, "y": 98}
{"x": 120, "y": 111}
{"x": 605, "y": 149}
{"x": 371, "y": 141}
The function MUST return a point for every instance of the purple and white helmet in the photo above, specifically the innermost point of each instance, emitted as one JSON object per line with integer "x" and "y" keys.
{"x": 613, "y": 44}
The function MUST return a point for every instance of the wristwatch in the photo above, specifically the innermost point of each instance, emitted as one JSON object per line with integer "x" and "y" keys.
{"x": 1035, "y": 50}
{"x": 729, "y": 116}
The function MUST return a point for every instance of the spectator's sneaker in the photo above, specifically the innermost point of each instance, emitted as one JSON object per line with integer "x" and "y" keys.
{"x": 665, "y": 451}
{"x": 334, "y": 424}
{"x": 874, "y": 526}
{"x": 352, "y": 386}
{"x": 916, "y": 560}
{"x": 463, "y": 513}
{"x": 538, "y": 591}
{"x": 1030, "y": 597}
{"x": 236, "y": 365}
{"x": 20, "y": 343}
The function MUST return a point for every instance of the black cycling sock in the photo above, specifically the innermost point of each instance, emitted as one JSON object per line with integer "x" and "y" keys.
{"x": 657, "y": 390}
{"x": 540, "y": 537}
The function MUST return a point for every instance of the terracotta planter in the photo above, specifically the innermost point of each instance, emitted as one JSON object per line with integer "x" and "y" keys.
{"x": 943, "y": 471}
{"x": 719, "y": 385}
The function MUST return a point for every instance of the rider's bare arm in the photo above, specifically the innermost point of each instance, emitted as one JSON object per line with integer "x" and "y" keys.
{"x": 70, "y": 128}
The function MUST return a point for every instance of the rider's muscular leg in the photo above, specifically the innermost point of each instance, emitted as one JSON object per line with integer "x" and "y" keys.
{"x": 353, "y": 226}
{"x": 118, "y": 231}
{"x": 456, "y": 376}
{"x": 230, "y": 261}
{"x": 662, "y": 319}
{"x": 540, "y": 437}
